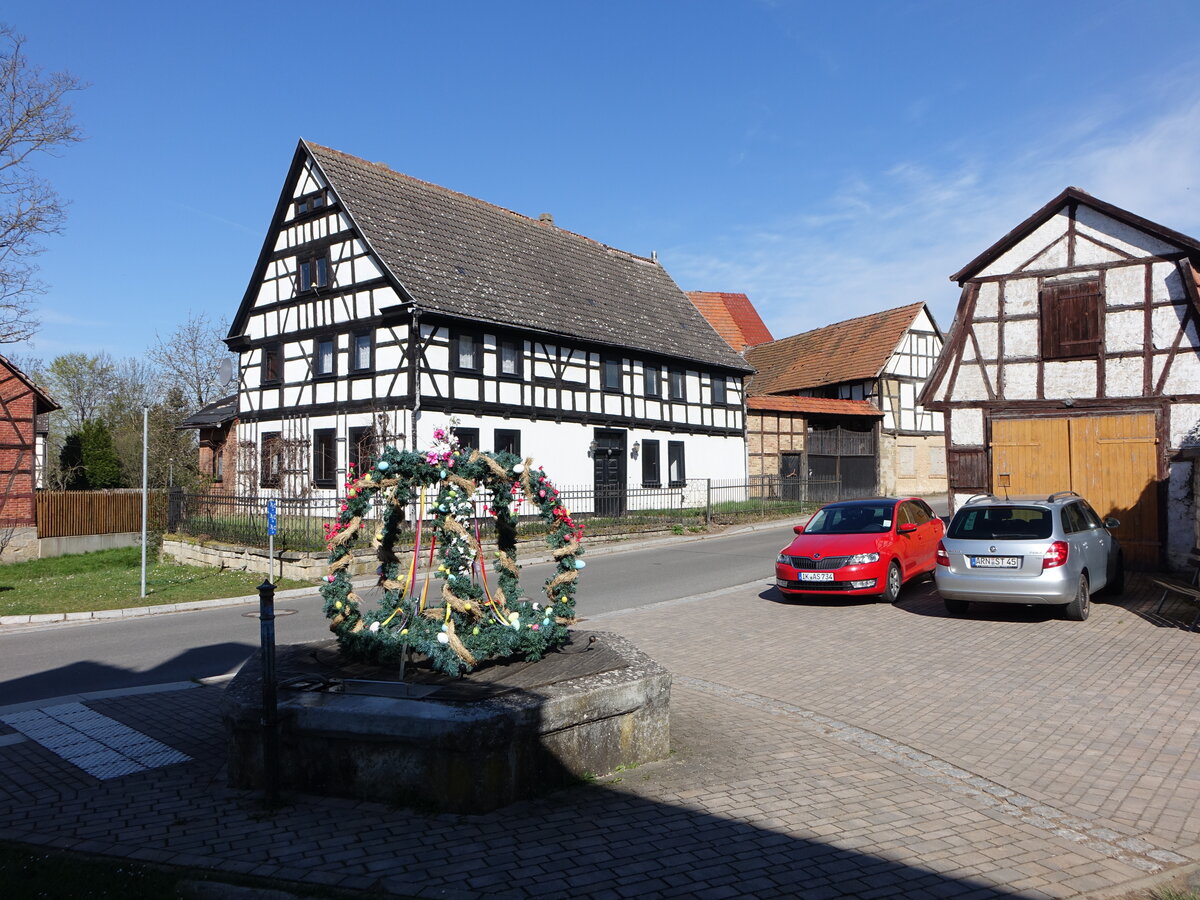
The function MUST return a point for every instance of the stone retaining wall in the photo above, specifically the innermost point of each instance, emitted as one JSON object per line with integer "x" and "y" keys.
{"x": 288, "y": 563}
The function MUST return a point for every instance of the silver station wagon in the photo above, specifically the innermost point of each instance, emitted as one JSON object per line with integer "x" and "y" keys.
{"x": 1055, "y": 551}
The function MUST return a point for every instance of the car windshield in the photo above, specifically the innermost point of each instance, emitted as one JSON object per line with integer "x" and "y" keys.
{"x": 858, "y": 519}
{"x": 1002, "y": 523}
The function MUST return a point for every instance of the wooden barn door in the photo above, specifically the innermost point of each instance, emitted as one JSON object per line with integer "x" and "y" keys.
{"x": 1112, "y": 461}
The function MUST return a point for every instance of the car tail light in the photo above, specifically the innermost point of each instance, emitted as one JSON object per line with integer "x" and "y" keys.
{"x": 943, "y": 558}
{"x": 1055, "y": 556}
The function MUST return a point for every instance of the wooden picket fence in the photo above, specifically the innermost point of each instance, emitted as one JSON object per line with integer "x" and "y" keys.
{"x": 72, "y": 513}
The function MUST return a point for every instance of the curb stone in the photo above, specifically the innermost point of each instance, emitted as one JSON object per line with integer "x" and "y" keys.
{"x": 619, "y": 545}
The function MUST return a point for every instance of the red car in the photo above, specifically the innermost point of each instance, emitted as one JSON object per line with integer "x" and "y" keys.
{"x": 861, "y": 548}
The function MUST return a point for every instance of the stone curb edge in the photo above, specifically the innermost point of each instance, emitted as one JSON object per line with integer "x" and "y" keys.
{"x": 617, "y": 546}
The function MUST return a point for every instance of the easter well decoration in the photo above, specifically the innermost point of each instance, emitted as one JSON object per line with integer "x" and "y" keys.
{"x": 475, "y": 615}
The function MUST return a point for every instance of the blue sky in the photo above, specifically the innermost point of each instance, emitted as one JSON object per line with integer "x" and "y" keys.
{"x": 829, "y": 160}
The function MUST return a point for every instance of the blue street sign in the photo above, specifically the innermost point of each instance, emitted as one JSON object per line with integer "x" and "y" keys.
{"x": 271, "y": 520}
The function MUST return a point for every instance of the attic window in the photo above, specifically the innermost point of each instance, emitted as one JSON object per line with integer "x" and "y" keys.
{"x": 1071, "y": 313}
{"x": 309, "y": 202}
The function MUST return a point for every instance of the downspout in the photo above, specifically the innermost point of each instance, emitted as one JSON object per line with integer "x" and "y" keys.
{"x": 414, "y": 347}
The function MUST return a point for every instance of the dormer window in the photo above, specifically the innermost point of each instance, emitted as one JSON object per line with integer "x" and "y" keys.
{"x": 309, "y": 202}
{"x": 312, "y": 272}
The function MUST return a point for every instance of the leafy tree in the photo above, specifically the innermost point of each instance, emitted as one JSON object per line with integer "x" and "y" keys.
{"x": 35, "y": 118}
{"x": 90, "y": 458}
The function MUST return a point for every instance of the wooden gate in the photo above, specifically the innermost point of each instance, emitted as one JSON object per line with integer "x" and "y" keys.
{"x": 1112, "y": 461}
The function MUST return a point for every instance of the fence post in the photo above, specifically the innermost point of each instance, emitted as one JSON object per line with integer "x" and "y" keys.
{"x": 708, "y": 503}
{"x": 174, "y": 508}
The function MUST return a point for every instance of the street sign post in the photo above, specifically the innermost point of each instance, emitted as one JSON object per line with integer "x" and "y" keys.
{"x": 272, "y": 527}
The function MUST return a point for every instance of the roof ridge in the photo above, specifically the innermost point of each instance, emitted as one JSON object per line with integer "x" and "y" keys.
{"x": 388, "y": 170}
{"x": 873, "y": 315}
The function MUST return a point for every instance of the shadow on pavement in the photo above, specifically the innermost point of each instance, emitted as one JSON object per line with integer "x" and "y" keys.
{"x": 87, "y": 677}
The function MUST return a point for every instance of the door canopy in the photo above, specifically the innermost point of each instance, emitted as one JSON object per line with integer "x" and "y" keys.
{"x": 474, "y": 616}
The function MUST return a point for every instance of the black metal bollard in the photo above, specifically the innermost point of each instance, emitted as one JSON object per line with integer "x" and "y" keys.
{"x": 270, "y": 704}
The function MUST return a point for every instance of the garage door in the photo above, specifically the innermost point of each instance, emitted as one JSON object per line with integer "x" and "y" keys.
{"x": 1110, "y": 460}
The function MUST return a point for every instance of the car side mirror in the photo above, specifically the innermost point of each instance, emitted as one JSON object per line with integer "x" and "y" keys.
{"x": 1110, "y": 522}
{"x": 906, "y": 528}
{"x": 799, "y": 529}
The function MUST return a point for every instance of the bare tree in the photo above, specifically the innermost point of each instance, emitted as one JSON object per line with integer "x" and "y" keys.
{"x": 34, "y": 119}
{"x": 191, "y": 357}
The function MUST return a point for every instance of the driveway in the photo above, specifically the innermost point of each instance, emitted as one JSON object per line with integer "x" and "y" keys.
{"x": 1039, "y": 754}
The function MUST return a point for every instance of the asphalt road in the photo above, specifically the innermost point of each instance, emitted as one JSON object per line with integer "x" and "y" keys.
{"x": 37, "y": 662}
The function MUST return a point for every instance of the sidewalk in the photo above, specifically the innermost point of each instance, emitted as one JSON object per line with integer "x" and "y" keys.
{"x": 819, "y": 750}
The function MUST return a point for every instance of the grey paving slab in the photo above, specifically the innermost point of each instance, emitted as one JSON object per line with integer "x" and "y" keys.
{"x": 820, "y": 750}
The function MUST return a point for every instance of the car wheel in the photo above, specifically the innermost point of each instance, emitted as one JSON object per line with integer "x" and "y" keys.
{"x": 1077, "y": 610}
{"x": 891, "y": 590}
{"x": 1116, "y": 586}
{"x": 958, "y": 607}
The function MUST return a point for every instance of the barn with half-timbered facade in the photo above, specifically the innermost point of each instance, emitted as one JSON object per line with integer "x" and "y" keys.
{"x": 382, "y": 305}
{"x": 24, "y": 406}
{"x": 1074, "y": 364}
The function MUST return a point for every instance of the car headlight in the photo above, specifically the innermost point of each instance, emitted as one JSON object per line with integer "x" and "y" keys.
{"x": 859, "y": 558}
{"x": 784, "y": 558}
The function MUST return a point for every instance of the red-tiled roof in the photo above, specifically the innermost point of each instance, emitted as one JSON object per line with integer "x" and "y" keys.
{"x": 853, "y": 350}
{"x": 811, "y": 405}
{"x": 45, "y": 403}
{"x": 733, "y": 316}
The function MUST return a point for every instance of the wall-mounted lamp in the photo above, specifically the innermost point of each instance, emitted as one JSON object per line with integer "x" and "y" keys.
{"x": 1069, "y": 402}
{"x": 637, "y": 445}
{"x": 592, "y": 448}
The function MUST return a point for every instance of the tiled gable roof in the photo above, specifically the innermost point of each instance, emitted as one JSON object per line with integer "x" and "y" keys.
{"x": 45, "y": 403}
{"x": 733, "y": 316}
{"x": 462, "y": 257}
{"x": 812, "y": 405}
{"x": 853, "y": 350}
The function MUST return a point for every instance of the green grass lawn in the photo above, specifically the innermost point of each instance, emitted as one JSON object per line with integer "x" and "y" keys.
{"x": 111, "y": 579}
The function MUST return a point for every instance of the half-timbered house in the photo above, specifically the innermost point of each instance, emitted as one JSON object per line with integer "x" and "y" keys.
{"x": 24, "y": 406}
{"x": 839, "y": 403}
{"x": 1074, "y": 364}
{"x": 381, "y": 305}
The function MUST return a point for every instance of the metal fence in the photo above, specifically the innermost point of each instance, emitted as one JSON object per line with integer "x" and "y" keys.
{"x": 693, "y": 504}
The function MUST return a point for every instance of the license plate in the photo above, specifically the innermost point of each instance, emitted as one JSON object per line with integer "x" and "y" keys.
{"x": 816, "y": 576}
{"x": 996, "y": 562}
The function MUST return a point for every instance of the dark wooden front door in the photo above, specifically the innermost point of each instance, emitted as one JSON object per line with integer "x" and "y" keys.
{"x": 608, "y": 465}
{"x": 791, "y": 476}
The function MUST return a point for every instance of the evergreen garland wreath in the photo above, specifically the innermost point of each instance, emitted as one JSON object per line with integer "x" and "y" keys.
{"x": 469, "y": 620}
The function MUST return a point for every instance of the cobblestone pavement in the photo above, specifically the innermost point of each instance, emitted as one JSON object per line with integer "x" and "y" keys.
{"x": 820, "y": 749}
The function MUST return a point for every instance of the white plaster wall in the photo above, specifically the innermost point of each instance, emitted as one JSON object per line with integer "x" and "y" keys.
{"x": 1041, "y": 238}
{"x": 1166, "y": 283}
{"x": 1166, "y": 323}
{"x": 1184, "y": 377}
{"x": 986, "y": 334}
{"x": 1123, "y": 377}
{"x": 1089, "y": 253}
{"x": 1184, "y": 427}
{"x": 966, "y": 427}
{"x": 1020, "y": 381}
{"x": 1124, "y": 331}
{"x": 1125, "y": 285}
{"x": 1134, "y": 241}
{"x": 1053, "y": 257}
{"x": 1076, "y": 378}
{"x": 987, "y": 304}
{"x": 1181, "y": 514}
{"x": 969, "y": 385}
{"x": 1021, "y": 339}
{"x": 1020, "y": 296}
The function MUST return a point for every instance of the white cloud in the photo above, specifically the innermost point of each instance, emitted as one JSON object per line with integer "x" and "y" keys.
{"x": 894, "y": 238}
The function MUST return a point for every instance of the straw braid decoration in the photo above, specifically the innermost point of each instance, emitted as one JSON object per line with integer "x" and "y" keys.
{"x": 479, "y": 612}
